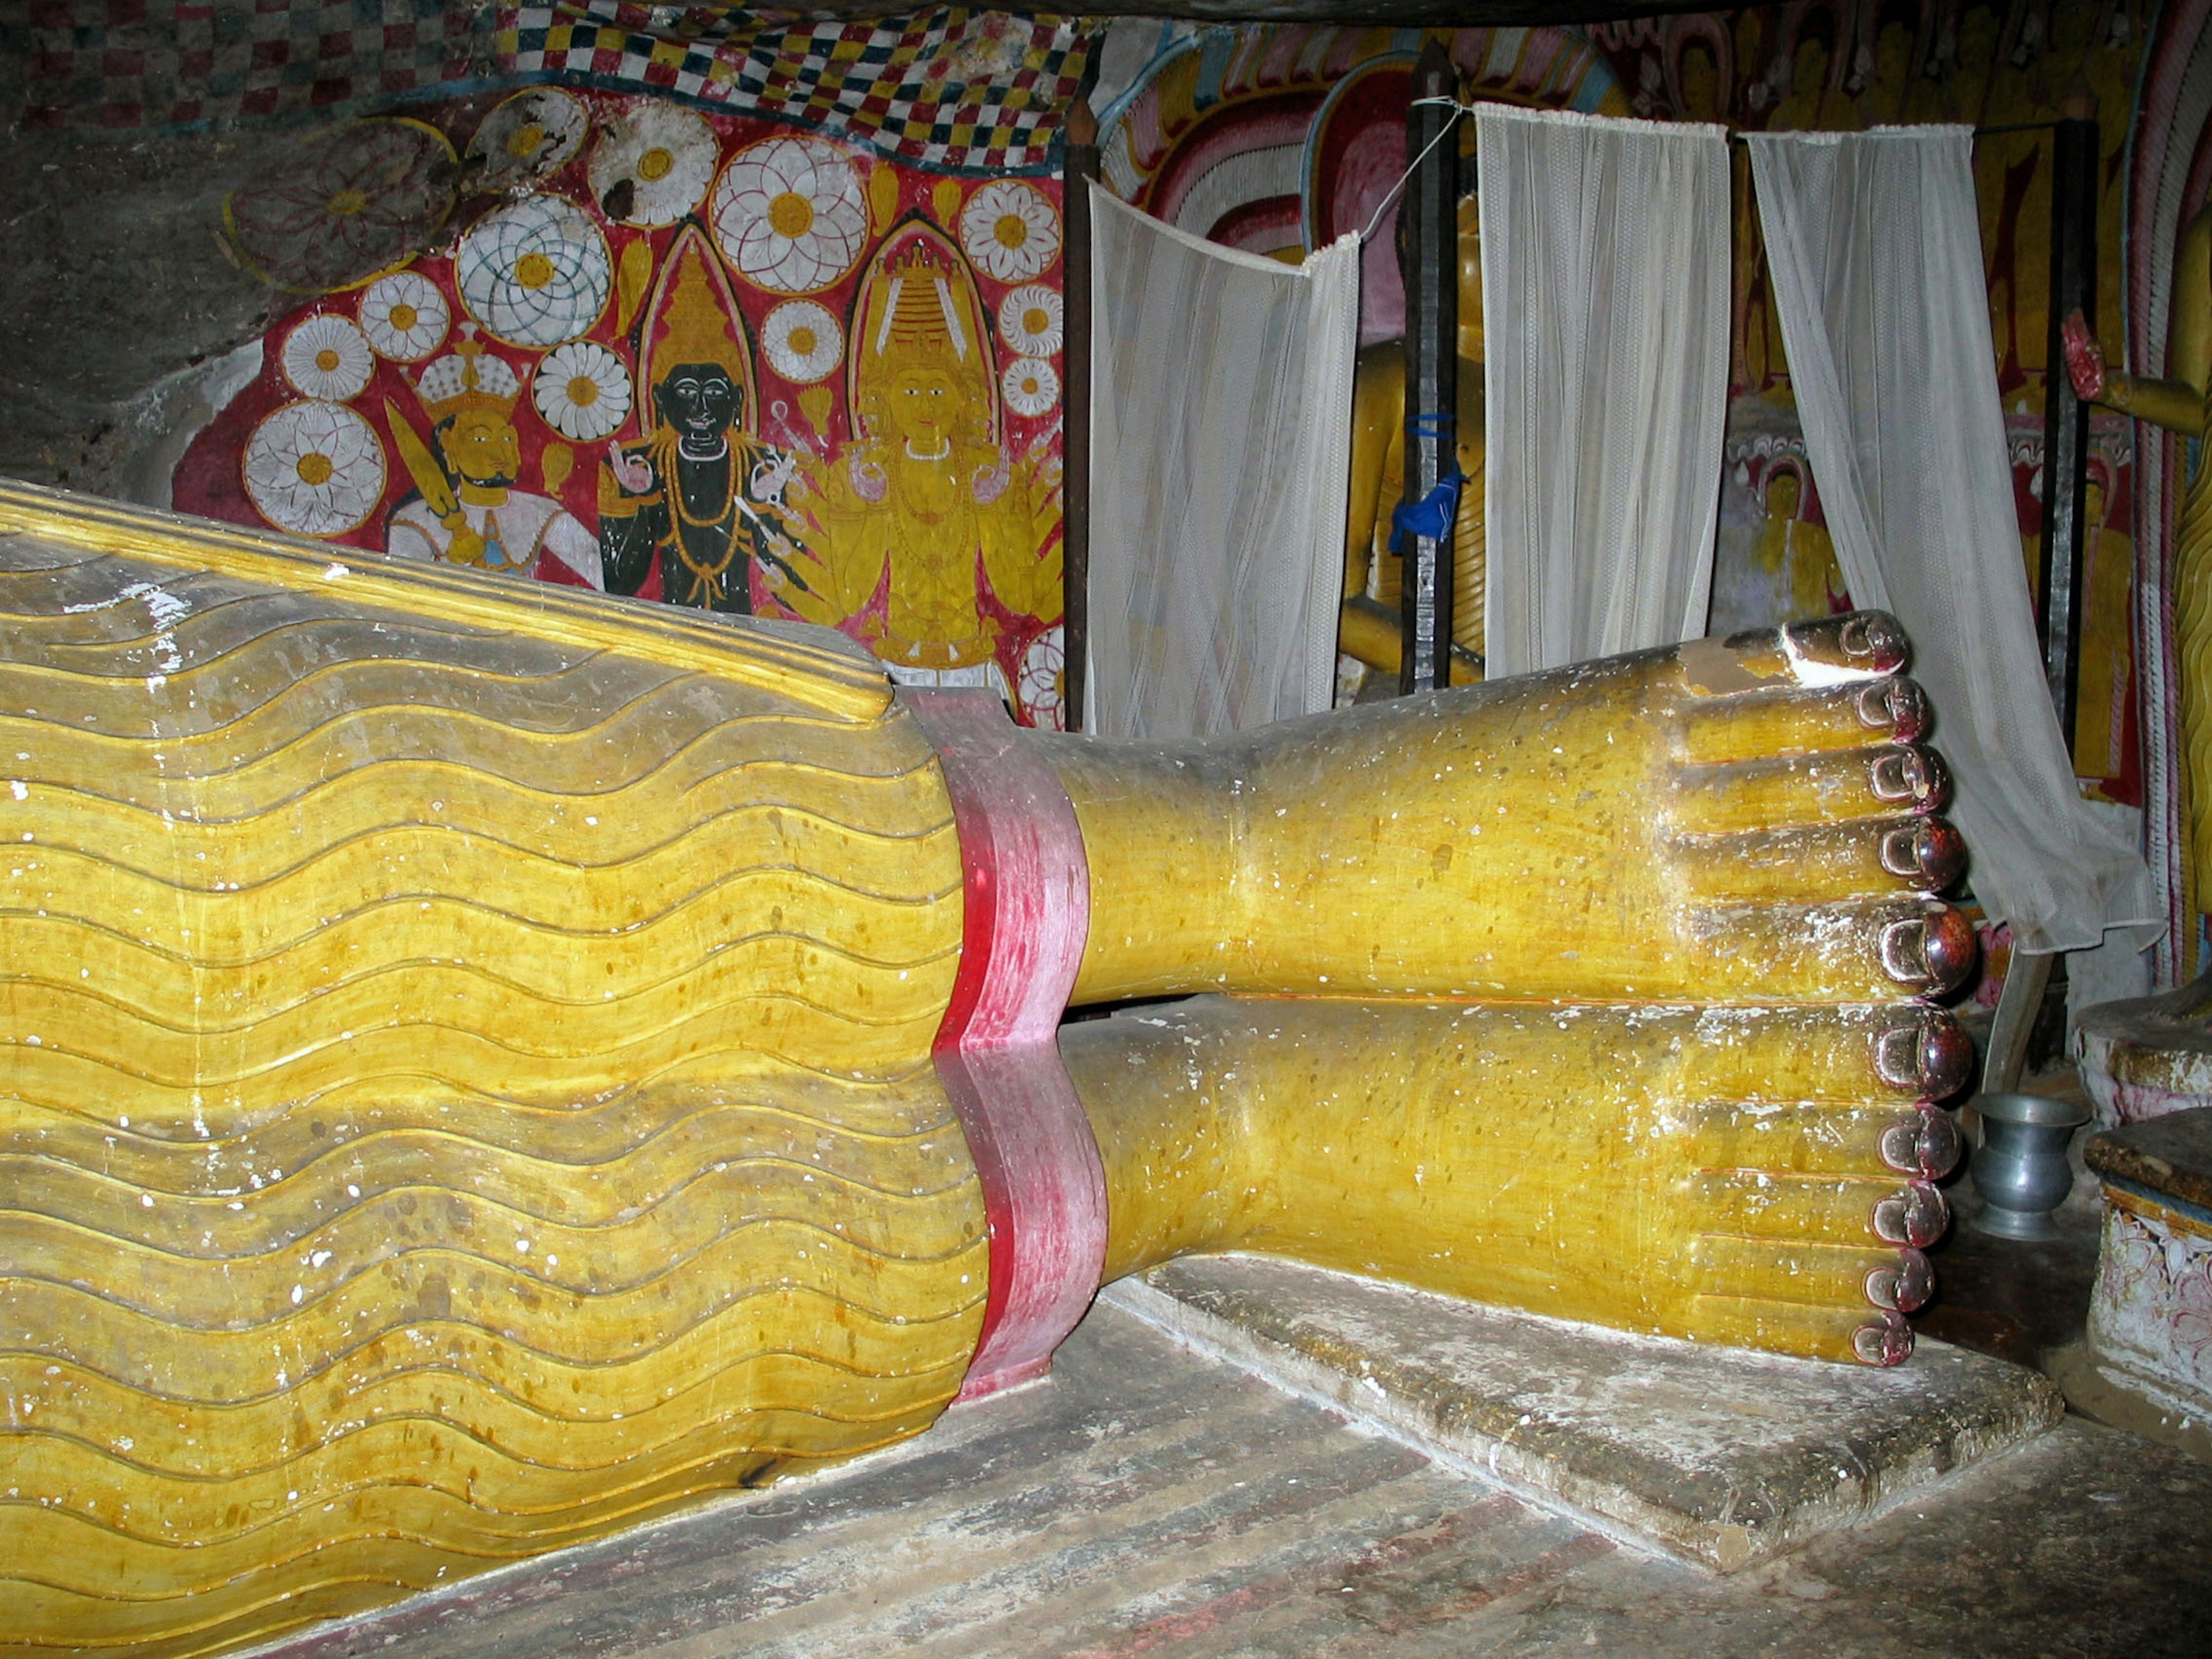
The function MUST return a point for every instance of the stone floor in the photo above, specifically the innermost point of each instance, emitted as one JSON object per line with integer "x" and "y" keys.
{"x": 1144, "y": 1501}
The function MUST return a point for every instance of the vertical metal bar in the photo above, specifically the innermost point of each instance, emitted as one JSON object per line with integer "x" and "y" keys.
{"x": 1080, "y": 169}
{"x": 1429, "y": 265}
{"x": 2066, "y": 417}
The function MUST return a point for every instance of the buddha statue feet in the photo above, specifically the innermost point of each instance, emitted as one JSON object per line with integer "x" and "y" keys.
{"x": 484, "y": 1065}
{"x": 1759, "y": 1176}
{"x": 1750, "y": 820}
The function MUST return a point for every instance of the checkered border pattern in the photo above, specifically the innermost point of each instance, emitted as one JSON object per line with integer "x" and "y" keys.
{"x": 948, "y": 88}
{"x": 174, "y": 62}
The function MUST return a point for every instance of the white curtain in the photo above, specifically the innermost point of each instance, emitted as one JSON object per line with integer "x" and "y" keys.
{"x": 1605, "y": 295}
{"x": 1220, "y": 436}
{"x": 1875, "y": 250}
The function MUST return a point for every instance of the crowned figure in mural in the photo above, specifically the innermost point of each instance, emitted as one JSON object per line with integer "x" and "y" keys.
{"x": 928, "y": 490}
{"x": 699, "y": 498}
{"x": 465, "y": 508}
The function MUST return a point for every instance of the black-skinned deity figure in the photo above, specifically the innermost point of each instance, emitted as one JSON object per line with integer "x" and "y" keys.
{"x": 700, "y": 498}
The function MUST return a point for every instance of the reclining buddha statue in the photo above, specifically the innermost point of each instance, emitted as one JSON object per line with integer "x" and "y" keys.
{"x": 487, "y": 1065}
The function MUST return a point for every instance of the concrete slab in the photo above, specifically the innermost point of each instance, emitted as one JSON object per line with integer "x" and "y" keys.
{"x": 1723, "y": 1458}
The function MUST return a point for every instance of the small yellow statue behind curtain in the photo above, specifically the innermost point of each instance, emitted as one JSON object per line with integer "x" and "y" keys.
{"x": 1370, "y": 629}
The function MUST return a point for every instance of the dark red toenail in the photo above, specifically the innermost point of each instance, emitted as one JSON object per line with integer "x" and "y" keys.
{"x": 1873, "y": 637}
{"x": 1932, "y": 953}
{"x": 1887, "y": 1341}
{"x": 1866, "y": 642}
{"x": 1924, "y": 1145}
{"x": 1943, "y": 852}
{"x": 1903, "y": 1286}
{"x": 1898, "y": 704}
{"x": 1930, "y": 854}
{"x": 1946, "y": 1057}
{"x": 1916, "y": 1215}
{"x": 1952, "y": 949}
{"x": 1931, "y": 1056}
{"x": 1914, "y": 775}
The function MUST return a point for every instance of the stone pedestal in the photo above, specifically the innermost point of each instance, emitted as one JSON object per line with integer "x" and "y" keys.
{"x": 1719, "y": 1456}
{"x": 2150, "y": 1317}
{"x": 2146, "y": 1058}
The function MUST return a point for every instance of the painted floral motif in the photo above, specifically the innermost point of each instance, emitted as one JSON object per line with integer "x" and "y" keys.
{"x": 1029, "y": 321}
{"x": 803, "y": 340}
{"x": 1010, "y": 230}
{"x": 582, "y": 390}
{"x": 1044, "y": 680}
{"x": 790, "y": 215}
{"x": 404, "y": 316}
{"x": 327, "y": 357}
{"x": 535, "y": 273}
{"x": 1030, "y": 387}
{"x": 2155, "y": 1296}
{"x": 532, "y": 136}
{"x": 315, "y": 468}
{"x": 359, "y": 199}
{"x": 653, "y": 165}
{"x": 2193, "y": 1317}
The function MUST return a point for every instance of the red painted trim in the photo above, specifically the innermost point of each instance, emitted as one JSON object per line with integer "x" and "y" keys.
{"x": 1027, "y": 906}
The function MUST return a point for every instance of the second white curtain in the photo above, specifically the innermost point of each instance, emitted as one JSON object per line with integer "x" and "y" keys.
{"x": 1221, "y": 424}
{"x": 1876, "y": 248}
{"x": 1605, "y": 285}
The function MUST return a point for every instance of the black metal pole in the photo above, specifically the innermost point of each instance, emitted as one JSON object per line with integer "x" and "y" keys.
{"x": 1430, "y": 267}
{"x": 1080, "y": 169}
{"x": 2065, "y": 417}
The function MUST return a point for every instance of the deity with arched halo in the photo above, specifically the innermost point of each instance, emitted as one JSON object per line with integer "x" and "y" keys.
{"x": 700, "y": 497}
{"x": 927, "y": 490}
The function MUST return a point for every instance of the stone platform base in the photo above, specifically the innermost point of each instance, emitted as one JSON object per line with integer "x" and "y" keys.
{"x": 2108, "y": 1391}
{"x": 1722, "y": 1458}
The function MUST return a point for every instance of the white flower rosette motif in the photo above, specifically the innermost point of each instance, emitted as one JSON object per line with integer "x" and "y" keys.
{"x": 667, "y": 156}
{"x": 532, "y": 136}
{"x": 536, "y": 272}
{"x": 1043, "y": 686}
{"x": 583, "y": 391}
{"x": 1029, "y": 321}
{"x": 404, "y": 316}
{"x": 1030, "y": 387}
{"x": 328, "y": 358}
{"x": 314, "y": 468}
{"x": 1010, "y": 231}
{"x": 803, "y": 340}
{"x": 790, "y": 215}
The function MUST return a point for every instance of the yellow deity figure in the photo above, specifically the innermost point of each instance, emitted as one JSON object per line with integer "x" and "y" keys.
{"x": 1370, "y": 628}
{"x": 927, "y": 488}
{"x": 1795, "y": 550}
{"x": 2108, "y": 637}
{"x": 2179, "y": 403}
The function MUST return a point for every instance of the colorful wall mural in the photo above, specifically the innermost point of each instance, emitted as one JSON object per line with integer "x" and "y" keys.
{"x": 675, "y": 354}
